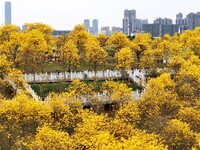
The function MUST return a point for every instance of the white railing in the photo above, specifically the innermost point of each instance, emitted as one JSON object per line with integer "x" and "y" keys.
{"x": 26, "y": 86}
{"x": 137, "y": 75}
{"x": 31, "y": 91}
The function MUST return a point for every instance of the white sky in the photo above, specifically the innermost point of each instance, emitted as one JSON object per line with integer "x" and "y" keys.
{"x": 64, "y": 14}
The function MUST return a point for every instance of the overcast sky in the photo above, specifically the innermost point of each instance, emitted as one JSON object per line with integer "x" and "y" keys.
{"x": 64, "y": 14}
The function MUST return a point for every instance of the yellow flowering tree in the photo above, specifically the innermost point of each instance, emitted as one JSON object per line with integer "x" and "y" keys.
{"x": 158, "y": 103}
{"x": 190, "y": 115}
{"x": 80, "y": 36}
{"x": 19, "y": 118}
{"x": 139, "y": 45}
{"x": 178, "y": 135}
{"x": 187, "y": 82}
{"x": 47, "y": 138}
{"x": 32, "y": 53}
{"x": 102, "y": 38}
{"x": 124, "y": 60}
{"x": 116, "y": 92}
{"x": 45, "y": 29}
{"x": 118, "y": 41}
{"x": 69, "y": 56}
{"x": 94, "y": 53}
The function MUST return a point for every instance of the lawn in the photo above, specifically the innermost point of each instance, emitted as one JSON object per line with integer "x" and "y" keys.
{"x": 43, "y": 89}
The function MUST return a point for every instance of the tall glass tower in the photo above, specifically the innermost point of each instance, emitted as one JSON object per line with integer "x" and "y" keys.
{"x": 7, "y": 12}
{"x": 87, "y": 24}
{"x": 95, "y": 25}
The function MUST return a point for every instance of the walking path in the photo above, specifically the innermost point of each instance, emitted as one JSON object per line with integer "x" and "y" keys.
{"x": 137, "y": 75}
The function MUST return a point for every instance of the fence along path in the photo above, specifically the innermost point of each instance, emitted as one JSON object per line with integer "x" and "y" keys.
{"x": 26, "y": 86}
{"x": 137, "y": 75}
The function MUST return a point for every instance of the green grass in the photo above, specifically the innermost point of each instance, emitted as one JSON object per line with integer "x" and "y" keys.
{"x": 43, "y": 89}
{"x": 52, "y": 67}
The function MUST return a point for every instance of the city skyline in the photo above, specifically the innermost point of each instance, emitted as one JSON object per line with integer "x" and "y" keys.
{"x": 8, "y": 16}
{"x": 66, "y": 14}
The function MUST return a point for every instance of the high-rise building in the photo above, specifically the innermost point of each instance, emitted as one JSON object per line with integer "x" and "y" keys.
{"x": 132, "y": 25}
{"x": 105, "y": 30}
{"x": 95, "y": 25}
{"x": 127, "y": 26}
{"x": 157, "y": 30}
{"x": 193, "y": 20}
{"x": 169, "y": 29}
{"x": 7, "y": 12}
{"x": 136, "y": 25}
{"x": 129, "y": 16}
{"x": 116, "y": 29}
{"x": 165, "y": 21}
{"x": 87, "y": 24}
{"x": 182, "y": 22}
{"x": 179, "y": 16}
{"x": 144, "y": 21}
{"x": 153, "y": 29}
{"x": 60, "y": 32}
{"x": 91, "y": 30}
{"x": 197, "y": 19}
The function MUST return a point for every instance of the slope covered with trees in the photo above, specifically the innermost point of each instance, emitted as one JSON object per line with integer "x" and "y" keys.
{"x": 166, "y": 116}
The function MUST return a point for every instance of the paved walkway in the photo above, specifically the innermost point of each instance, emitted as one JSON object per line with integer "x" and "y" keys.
{"x": 137, "y": 75}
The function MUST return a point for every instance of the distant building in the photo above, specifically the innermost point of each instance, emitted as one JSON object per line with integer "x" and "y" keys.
{"x": 182, "y": 22}
{"x": 105, "y": 30}
{"x": 60, "y": 32}
{"x": 132, "y": 25}
{"x": 95, "y": 25}
{"x": 23, "y": 28}
{"x": 126, "y": 26}
{"x": 136, "y": 25}
{"x": 165, "y": 21}
{"x": 161, "y": 27}
{"x": 169, "y": 29}
{"x": 153, "y": 29}
{"x": 87, "y": 24}
{"x": 197, "y": 19}
{"x": 8, "y": 13}
{"x": 92, "y": 31}
{"x": 144, "y": 21}
{"x": 116, "y": 29}
{"x": 157, "y": 30}
{"x": 129, "y": 16}
{"x": 193, "y": 20}
{"x": 179, "y": 16}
